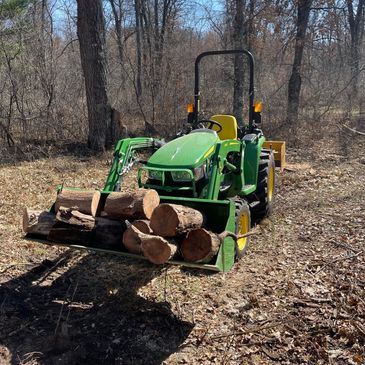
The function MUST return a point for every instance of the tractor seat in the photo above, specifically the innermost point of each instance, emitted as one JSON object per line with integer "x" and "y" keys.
{"x": 229, "y": 126}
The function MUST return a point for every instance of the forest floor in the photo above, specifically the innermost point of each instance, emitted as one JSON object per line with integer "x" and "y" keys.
{"x": 296, "y": 297}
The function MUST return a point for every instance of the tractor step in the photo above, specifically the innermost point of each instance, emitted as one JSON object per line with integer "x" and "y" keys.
{"x": 248, "y": 189}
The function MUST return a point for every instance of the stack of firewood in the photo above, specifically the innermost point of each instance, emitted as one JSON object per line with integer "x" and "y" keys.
{"x": 127, "y": 221}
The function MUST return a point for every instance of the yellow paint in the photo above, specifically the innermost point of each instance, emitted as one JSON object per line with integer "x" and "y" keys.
{"x": 211, "y": 149}
{"x": 278, "y": 148}
{"x": 270, "y": 184}
{"x": 229, "y": 126}
{"x": 243, "y": 227}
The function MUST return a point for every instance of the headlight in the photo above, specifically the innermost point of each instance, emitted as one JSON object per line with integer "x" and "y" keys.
{"x": 155, "y": 175}
{"x": 199, "y": 172}
{"x": 181, "y": 176}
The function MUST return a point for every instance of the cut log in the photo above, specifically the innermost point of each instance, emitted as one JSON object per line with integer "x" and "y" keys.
{"x": 38, "y": 222}
{"x": 156, "y": 249}
{"x": 131, "y": 240}
{"x": 75, "y": 218}
{"x": 143, "y": 225}
{"x": 86, "y": 202}
{"x": 200, "y": 245}
{"x": 67, "y": 233}
{"x": 108, "y": 233}
{"x": 170, "y": 220}
{"x": 138, "y": 204}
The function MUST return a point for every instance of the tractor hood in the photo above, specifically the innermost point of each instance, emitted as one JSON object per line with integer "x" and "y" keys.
{"x": 188, "y": 151}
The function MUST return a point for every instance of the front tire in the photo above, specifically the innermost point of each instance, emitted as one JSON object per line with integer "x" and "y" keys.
{"x": 243, "y": 225}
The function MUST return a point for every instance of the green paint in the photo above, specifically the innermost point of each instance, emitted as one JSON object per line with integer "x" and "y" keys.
{"x": 251, "y": 160}
{"x": 184, "y": 152}
{"x": 231, "y": 168}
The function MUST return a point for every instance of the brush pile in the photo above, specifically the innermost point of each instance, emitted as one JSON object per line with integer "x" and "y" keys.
{"x": 132, "y": 222}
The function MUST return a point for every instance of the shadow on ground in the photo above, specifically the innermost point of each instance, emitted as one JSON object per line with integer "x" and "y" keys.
{"x": 89, "y": 314}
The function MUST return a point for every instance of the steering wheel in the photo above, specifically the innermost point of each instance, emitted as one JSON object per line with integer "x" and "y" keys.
{"x": 211, "y": 123}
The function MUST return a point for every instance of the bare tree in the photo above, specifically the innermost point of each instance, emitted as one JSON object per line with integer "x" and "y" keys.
{"x": 295, "y": 80}
{"x": 238, "y": 36}
{"x": 91, "y": 34}
{"x": 356, "y": 25}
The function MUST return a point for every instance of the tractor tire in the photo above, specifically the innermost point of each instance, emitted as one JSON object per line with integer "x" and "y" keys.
{"x": 243, "y": 225}
{"x": 264, "y": 194}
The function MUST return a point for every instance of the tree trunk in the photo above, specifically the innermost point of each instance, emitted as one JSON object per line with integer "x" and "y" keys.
{"x": 356, "y": 25}
{"x": 38, "y": 222}
{"x": 295, "y": 81}
{"x": 200, "y": 245}
{"x": 137, "y": 10}
{"x": 86, "y": 202}
{"x": 238, "y": 43}
{"x": 138, "y": 204}
{"x": 118, "y": 17}
{"x": 170, "y": 220}
{"x": 91, "y": 35}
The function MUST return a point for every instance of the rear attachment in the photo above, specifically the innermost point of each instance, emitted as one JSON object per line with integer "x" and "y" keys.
{"x": 278, "y": 147}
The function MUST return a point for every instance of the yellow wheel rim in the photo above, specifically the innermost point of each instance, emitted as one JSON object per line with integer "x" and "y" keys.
{"x": 243, "y": 227}
{"x": 270, "y": 184}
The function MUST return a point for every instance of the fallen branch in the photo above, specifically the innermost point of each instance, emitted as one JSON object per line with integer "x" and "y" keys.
{"x": 236, "y": 237}
{"x": 349, "y": 257}
{"x": 352, "y": 130}
{"x": 246, "y": 332}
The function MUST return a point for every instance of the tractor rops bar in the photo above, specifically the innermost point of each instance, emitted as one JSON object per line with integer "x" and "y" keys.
{"x": 251, "y": 80}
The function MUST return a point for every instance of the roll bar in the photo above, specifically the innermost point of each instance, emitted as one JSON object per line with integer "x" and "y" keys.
{"x": 251, "y": 80}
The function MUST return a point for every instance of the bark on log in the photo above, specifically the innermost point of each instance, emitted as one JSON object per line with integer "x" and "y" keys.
{"x": 108, "y": 233}
{"x": 38, "y": 222}
{"x": 67, "y": 233}
{"x": 86, "y": 202}
{"x": 200, "y": 245}
{"x": 75, "y": 218}
{"x": 169, "y": 220}
{"x": 156, "y": 249}
{"x": 138, "y": 204}
{"x": 131, "y": 240}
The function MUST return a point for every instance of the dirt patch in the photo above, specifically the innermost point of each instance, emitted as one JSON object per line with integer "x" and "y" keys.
{"x": 297, "y": 297}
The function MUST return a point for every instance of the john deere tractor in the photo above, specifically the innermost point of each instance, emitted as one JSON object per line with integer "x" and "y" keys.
{"x": 225, "y": 170}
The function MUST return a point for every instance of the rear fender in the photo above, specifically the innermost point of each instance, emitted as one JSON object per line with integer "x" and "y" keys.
{"x": 251, "y": 160}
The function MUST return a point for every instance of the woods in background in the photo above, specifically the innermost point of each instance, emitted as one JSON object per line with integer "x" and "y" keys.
{"x": 136, "y": 62}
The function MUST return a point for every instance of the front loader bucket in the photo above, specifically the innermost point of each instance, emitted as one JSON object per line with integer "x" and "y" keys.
{"x": 220, "y": 217}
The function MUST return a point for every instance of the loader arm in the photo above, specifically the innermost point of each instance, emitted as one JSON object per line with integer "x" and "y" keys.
{"x": 125, "y": 158}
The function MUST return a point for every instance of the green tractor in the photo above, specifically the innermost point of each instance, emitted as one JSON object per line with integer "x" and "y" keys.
{"x": 224, "y": 170}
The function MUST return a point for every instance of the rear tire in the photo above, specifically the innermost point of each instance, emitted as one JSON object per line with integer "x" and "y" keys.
{"x": 243, "y": 225}
{"x": 265, "y": 191}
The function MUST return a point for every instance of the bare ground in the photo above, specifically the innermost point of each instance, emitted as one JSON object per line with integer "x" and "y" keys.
{"x": 297, "y": 297}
